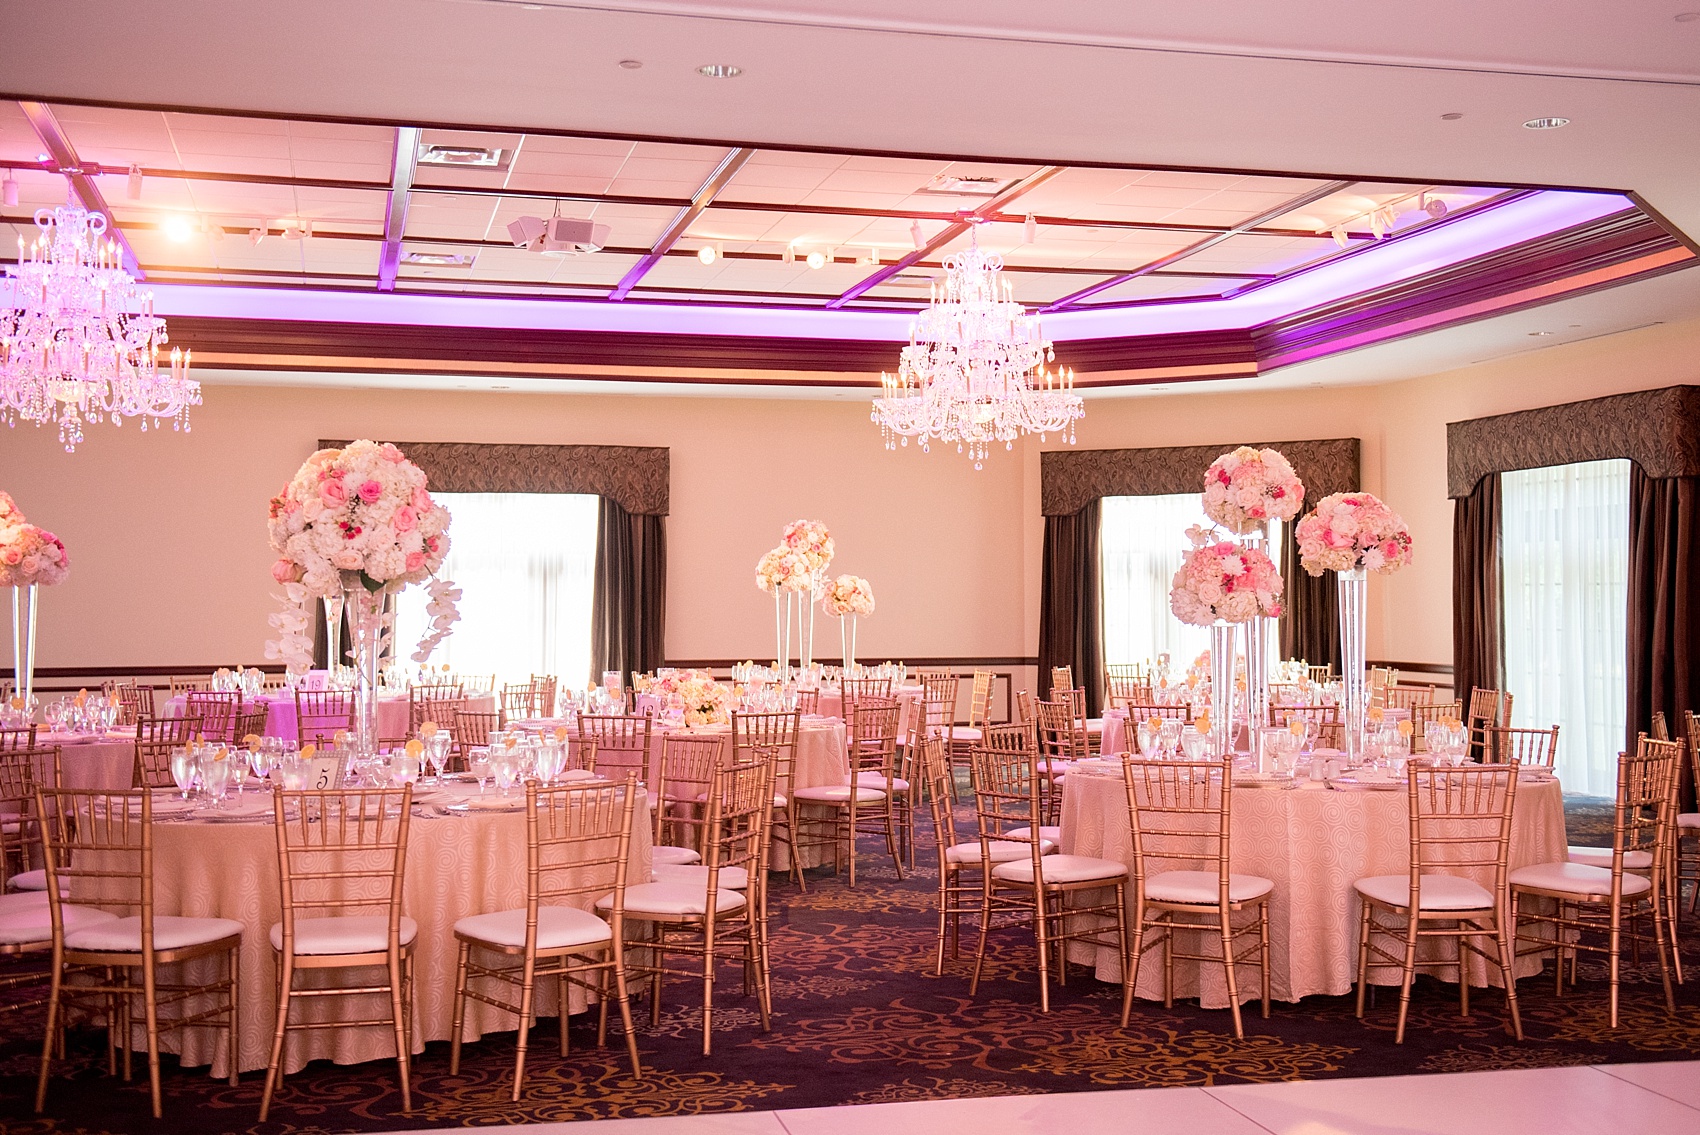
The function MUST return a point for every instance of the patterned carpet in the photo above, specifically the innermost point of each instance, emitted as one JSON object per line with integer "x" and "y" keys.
{"x": 860, "y": 1018}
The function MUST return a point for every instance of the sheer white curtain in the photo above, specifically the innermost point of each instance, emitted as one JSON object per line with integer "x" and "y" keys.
{"x": 1565, "y": 555}
{"x": 1141, "y": 541}
{"x": 524, "y": 563}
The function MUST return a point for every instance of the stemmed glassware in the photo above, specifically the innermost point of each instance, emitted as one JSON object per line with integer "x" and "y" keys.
{"x": 479, "y": 762}
{"x": 184, "y": 769}
{"x": 437, "y": 754}
{"x": 1169, "y": 736}
{"x": 215, "y": 774}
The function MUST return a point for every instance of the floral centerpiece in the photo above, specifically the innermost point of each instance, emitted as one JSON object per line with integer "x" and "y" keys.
{"x": 30, "y": 556}
{"x": 705, "y": 701}
{"x": 356, "y": 522}
{"x": 849, "y": 595}
{"x": 791, "y": 570}
{"x": 783, "y": 569}
{"x": 811, "y": 538}
{"x": 1247, "y": 488}
{"x": 1219, "y": 581}
{"x": 1349, "y": 531}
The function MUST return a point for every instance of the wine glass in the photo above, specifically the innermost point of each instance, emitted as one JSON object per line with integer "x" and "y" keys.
{"x": 1169, "y": 736}
{"x": 239, "y": 770}
{"x": 437, "y": 754}
{"x": 183, "y": 771}
{"x": 479, "y": 763}
{"x": 1434, "y": 737}
{"x": 506, "y": 770}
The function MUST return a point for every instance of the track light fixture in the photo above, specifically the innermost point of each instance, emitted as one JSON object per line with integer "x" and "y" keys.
{"x": 134, "y": 189}
{"x": 916, "y": 235}
{"x": 1032, "y": 228}
{"x": 10, "y": 188}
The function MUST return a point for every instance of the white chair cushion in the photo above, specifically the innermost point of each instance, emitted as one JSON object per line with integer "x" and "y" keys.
{"x": 23, "y": 900}
{"x": 1575, "y": 879}
{"x": 662, "y": 853}
{"x": 170, "y": 932}
{"x": 1002, "y": 851}
{"x": 1202, "y": 887}
{"x": 1688, "y": 820}
{"x": 345, "y": 934}
{"x": 967, "y": 733}
{"x": 557, "y": 927}
{"x": 1050, "y": 832}
{"x": 24, "y": 923}
{"x": 32, "y": 881}
{"x": 1061, "y": 869}
{"x": 1601, "y": 857}
{"x": 697, "y": 875}
{"x": 672, "y": 899}
{"x": 1436, "y": 892}
{"x": 838, "y": 794}
{"x": 877, "y": 780}
{"x": 1046, "y": 764}
{"x": 1094, "y": 725}
{"x": 779, "y": 800}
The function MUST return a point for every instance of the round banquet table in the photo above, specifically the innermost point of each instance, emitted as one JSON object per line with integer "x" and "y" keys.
{"x": 831, "y": 704}
{"x": 103, "y": 761}
{"x": 392, "y": 712}
{"x": 1117, "y": 740}
{"x": 458, "y": 864}
{"x": 1313, "y": 842}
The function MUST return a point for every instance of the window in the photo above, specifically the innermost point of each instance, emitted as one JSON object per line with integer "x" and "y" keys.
{"x": 524, "y": 563}
{"x": 1141, "y": 542}
{"x": 1565, "y": 561}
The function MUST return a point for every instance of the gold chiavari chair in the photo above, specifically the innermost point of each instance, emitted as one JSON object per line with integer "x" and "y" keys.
{"x": 1583, "y": 903}
{"x": 251, "y": 723}
{"x": 1460, "y": 822}
{"x": 1659, "y": 729}
{"x": 274, "y": 682}
{"x": 17, "y": 737}
{"x": 1685, "y": 830}
{"x": 930, "y": 719}
{"x": 1062, "y": 678}
{"x": 853, "y": 689}
{"x": 103, "y": 965}
{"x": 342, "y": 858}
{"x": 517, "y": 700}
{"x": 155, "y": 738}
{"x": 1283, "y": 694}
{"x": 1126, "y": 680}
{"x": 475, "y": 683}
{"x": 1138, "y": 711}
{"x": 775, "y": 733}
{"x": 1180, "y": 815}
{"x": 131, "y": 703}
{"x": 188, "y": 685}
{"x": 470, "y": 730}
{"x": 434, "y": 701}
{"x": 22, "y": 771}
{"x": 1024, "y": 711}
{"x": 964, "y": 737}
{"x": 581, "y": 755}
{"x": 808, "y": 701}
{"x": 1488, "y": 709}
{"x": 682, "y": 779}
{"x": 545, "y": 689}
{"x": 1422, "y": 714}
{"x": 623, "y": 742}
{"x": 1403, "y": 695}
{"x": 1320, "y": 674}
{"x": 577, "y": 843}
{"x": 862, "y": 803}
{"x": 710, "y": 920}
{"x": 1060, "y": 898}
{"x": 321, "y": 714}
{"x": 1062, "y": 741}
{"x": 217, "y": 711}
{"x": 1323, "y": 719}
{"x": 1523, "y": 746}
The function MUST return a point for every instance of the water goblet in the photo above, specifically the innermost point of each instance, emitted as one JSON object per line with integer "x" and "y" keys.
{"x": 239, "y": 765}
{"x": 479, "y": 762}
{"x": 183, "y": 771}
{"x": 1169, "y": 736}
{"x": 1192, "y": 743}
{"x": 437, "y": 754}
{"x": 551, "y": 759}
{"x": 215, "y": 775}
{"x": 1147, "y": 738}
{"x": 505, "y": 769}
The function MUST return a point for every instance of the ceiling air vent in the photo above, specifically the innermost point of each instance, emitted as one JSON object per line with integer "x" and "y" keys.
{"x": 949, "y": 185}
{"x": 440, "y": 259}
{"x": 466, "y": 157}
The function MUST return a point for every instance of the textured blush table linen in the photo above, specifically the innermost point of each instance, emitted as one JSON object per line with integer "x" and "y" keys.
{"x": 105, "y": 761}
{"x": 1313, "y": 843}
{"x": 392, "y": 712}
{"x": 831, "y": 704}
{"x": 457, "y": 865}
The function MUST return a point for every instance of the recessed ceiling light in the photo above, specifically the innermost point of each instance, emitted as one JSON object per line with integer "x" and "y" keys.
{"x": 44, "y": 157}
{"x": 475, "y": 157}
{"x": 178, "y": 228}
{"x": 817, "y": 259}
{"x": 1451, "y": 116}
{"x": 631, "y": 64}
{"x": 1545, "y": 123}
{"x": 1537, "y": 334}
{"x": 440, "y": 259}
{"x": 707, "y": 253}
{"x": 720, "y": 71}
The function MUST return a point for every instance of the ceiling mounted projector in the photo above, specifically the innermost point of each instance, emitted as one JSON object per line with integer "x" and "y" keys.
{"x": 558, "y": 234}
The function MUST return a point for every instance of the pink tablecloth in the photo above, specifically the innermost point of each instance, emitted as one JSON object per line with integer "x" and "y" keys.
{"x": 1313, "y": 843}
{"x": 392, "y": 712}
{"x": 101, "y": 761}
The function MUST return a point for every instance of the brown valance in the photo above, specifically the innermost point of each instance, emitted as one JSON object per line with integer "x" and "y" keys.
{"x": 633, "y": 476}
{"x": 1069, "y": 479}
{"x": 1659, "y": 430}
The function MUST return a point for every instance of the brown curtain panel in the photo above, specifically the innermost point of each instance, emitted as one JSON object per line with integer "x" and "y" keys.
{"x": 1478, "y": 610}
{"x": 628, "y": 597}
{"x": 1664, "y": 586}
{"x": 1071, "y": 604}
{"x": 1310, "y": 609}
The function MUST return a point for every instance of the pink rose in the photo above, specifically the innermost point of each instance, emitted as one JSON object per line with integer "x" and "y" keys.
{"x": 346, "y": 558}
{"x": 333, "y": 494}
{"x": 404, "y": 520}
{"x": 390, "y": 453}
{"x": 370, "y": 491}
{"x": 415, "y": 561}
{"x": 12, "y": 556}
{"x": 421, "y": 499}
{"x": 285, "y": 571}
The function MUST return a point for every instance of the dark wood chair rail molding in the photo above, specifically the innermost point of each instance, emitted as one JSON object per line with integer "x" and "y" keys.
{"x": 1069, "y": 479}
{"x": 633, "y": 476}
{"x": 1659, "y": 430}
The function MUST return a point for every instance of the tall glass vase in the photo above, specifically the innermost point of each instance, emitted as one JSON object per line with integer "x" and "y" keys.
{"x": 24, "y": 603}
{"x": 1354, "y": 595}
{"x": 806, "y": 622}
{"x": 364, "y": 611}
{"x": 780, "y": 620}
{"x": 1257, "y": 662}
{"x": 1222, "y": 688}
{"x": 333, "y": 632}
{"x": 847, "y": 639}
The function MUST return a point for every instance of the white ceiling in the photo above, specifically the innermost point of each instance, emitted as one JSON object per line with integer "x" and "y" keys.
{"x": 1317, "y": 87}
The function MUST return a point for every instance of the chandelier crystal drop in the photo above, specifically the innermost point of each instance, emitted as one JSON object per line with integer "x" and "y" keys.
{"x": 974, "y": 370}
{"x": 80, "y": 342}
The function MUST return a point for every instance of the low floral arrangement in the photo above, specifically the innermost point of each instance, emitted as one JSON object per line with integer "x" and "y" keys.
{"x": 811, "y": 538}
{"x": 706, "y": 701}
{"x": 1221, "y": 580}
{"x": 28, "y": 553}
{"x": 362, "y": 514}
{"x": 1249, "y": 487}
{"x": 670, "y": 683}
{"x": 1353, "y": 530}
{"x": 849, "y": 595}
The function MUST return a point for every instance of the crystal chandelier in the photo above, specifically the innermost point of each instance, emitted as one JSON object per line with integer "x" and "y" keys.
{"x": 80, "y": 341}
{"x": 973, "y": 372}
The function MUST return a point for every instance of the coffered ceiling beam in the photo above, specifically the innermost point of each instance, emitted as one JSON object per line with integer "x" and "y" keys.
{"x": 700, "y": 200}
{"x": 402, "y": 167}
{"x": 1325, "y": 190}
{"x": 947, "y": 234}
{"x": 65, "y": 161}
